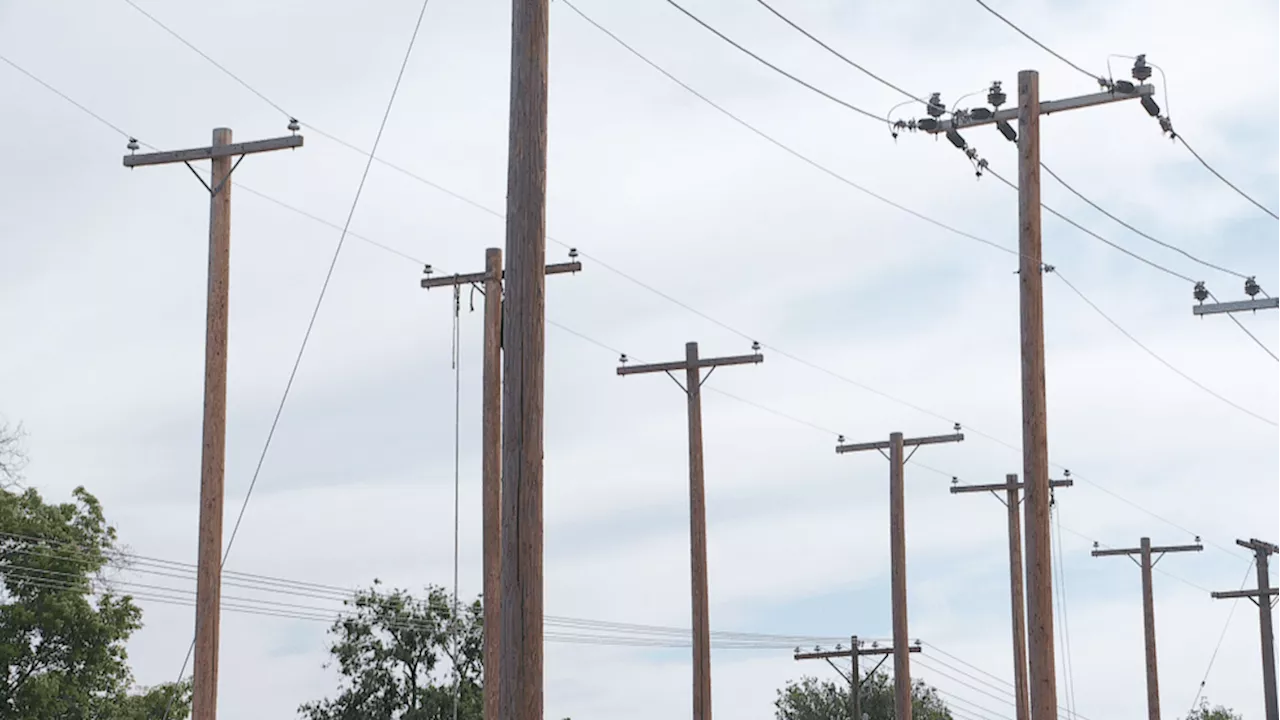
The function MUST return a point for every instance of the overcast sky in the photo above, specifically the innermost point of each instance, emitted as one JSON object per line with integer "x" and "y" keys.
{"x": 873, "y": 321}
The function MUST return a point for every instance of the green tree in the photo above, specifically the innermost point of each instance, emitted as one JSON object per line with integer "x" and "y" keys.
{"x": 62, "y": 629}
{"x": 396, "y": 655}
{"x": 1204, "y": 712}
{"x": 814, "y": 699}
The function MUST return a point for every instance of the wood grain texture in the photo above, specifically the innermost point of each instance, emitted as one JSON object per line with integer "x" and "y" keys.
{"x": 1043, "y": 691}
{"x": 1017, "y": 599}
{"x": 204, "y": 701}
{"x": 698, "y": 541}
{"x": 1267, "y": 631}
{"x": 524, "y": 337}
{"x": 898, "y": 577}
{"x": 491, "y": 478}
{"x": 1149, "y": 631}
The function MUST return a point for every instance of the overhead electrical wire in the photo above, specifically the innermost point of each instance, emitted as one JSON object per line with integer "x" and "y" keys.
{"x": 838, "y": 54}
{"x": 1136, "y": 231}
{"x": 1220, "y": 176}
{"x": 1046, "y": 168}
{"x": 1221, "y": 636}
{"x": 1104, "y": 83}
{"x": 1157, "y": 356}
{"x": 1059, "y": 568}
{"x": 814, "y": 366}
{"x": 773, "y": 67}
{"x": 1042, "y": 46}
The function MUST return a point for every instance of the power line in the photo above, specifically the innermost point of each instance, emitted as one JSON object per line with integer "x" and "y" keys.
{"x": 1221, "y": 636}
{"x": 1095, "y": 235}
{"x": 759, "y": 133}
{"x": 62, "y": 95}
{"x": 1135, "y": 230}
{"x": 213, "y": 62}
{"x": 1157, "y": 357}
{"x": 1219, "y": 175}
{"x": 878, "y": 118}
{"x": 1104, "y": 82}
{"x": 1060, "y": 588}
{"x": 777, "y": 143}
{"x": 837, "y": 53}
{"x": 125, "y": 562}
{"x": 773, "y": 67}
{"x": 587, "y": 628}
{"x": 1046, "y": 48}
{"x": 782, "y": 146}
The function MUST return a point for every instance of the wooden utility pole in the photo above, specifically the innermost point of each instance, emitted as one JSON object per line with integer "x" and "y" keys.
{"x": 692, "y": 366}
{"x": 524, "y": 341}
{"x": 204, "y": 698}
{"x": 856, "y": 650}
{"x": 491, "y": 453}
{"x": 1144, "y": 552}
{"x": 898, "y": 551}
{"x": 1011, "y": 501}
{"x": 1261, "y": 596}
{"x": 1043, "y": 692}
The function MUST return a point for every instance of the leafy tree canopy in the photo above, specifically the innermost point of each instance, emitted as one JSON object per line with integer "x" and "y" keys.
{"x": 62, "y": 629}
{"x": 397, "y": 657}
{"x": 814, "y": 699}
{"x": 1204, "y": 712}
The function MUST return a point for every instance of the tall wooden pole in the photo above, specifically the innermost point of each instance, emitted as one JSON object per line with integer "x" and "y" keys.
{"x": 1017, "y": 599}
{"x": 204, "y": 696}
{"x": 1262, "y": 597}
{"x": 1017, "y": 602}
{"x": 1149, "y": 630}
{"x": 898, "y": 573}
{"x": 698, "y": 541}
{"x": 491, "y": 478}
{"x": 204, "y": 701}
{"x": 1265, "y": 593}
{"x": 520, "y": 679}
{"x": 896, "y": 444}
{"x": 1146, "y": 562}
{"x": 1043, "y": 691}
{"x": 855, "y": 679}
{"x": 692, "y": 366}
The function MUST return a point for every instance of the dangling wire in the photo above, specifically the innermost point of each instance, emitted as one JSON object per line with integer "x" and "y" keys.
{"x": 1064, "y": 627}
{"x": 456, "y": 363}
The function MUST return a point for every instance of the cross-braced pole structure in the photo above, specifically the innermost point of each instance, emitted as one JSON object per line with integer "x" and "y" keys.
{"x": 1145, "y": 551}
{"x": 1262, "y": 596}
{"x": 491, "y": 453}
{"x": 1017, "y": 601}
{"x": 857, "y": 649}
{"x": 693, "y": 365}
{"x": 204, "y": 697}
{"x": 896, "y": 445}
{"x": 1043, "y": 691}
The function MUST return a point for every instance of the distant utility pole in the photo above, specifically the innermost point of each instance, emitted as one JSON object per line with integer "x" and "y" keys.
{"x": 1011, "y": 500}
{"x": 491, "y": 453}
{"x": 1253, "y": 304}
{"x": 1261, "y": 596}
{"x": 855, "y": 651}
{"x": 204, "y": 698}
{"x": 523, "y": 389}
{"x": 1144, "y": 551}
{"x": 1035, "y": 444}
{"x": 898, "y": 551}
{"x": 692, "y": 366}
